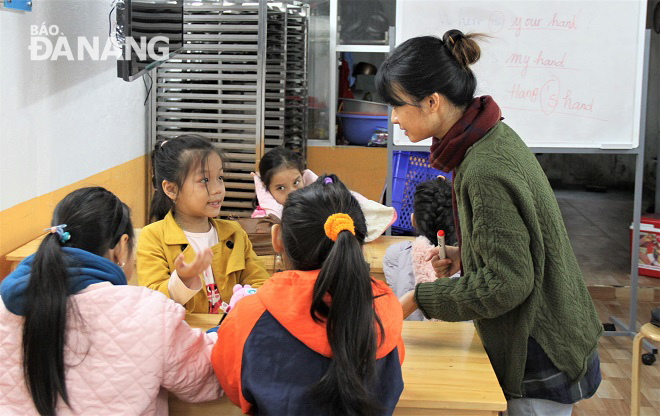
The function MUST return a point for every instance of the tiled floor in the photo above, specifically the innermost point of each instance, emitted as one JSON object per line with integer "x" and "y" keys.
{"x": 613, "y": 395}
{"x": 598, "y": 227}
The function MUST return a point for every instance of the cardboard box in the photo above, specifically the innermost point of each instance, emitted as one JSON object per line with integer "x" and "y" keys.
{"x": 648, "y": 247}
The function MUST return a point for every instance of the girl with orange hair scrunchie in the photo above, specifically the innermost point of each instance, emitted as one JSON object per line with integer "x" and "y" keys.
{"x": 324, "y": 331}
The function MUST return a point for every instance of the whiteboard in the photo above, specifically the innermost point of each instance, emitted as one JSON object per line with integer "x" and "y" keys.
{"x": 566, "y": 74}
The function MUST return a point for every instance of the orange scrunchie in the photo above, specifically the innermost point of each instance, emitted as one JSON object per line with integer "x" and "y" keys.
{"x": 337, "y": 223}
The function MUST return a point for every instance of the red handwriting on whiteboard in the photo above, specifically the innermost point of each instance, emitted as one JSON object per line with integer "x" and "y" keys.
{"x": 550, "y": 62}
{"x": 520, "y": 23}
{"x": 516, "y": 60}
{"x": 520, "y": 93}
{"x": 549, "y": 97}
{"x": 542, "y": 60}
{"x": 573, "y": 104}
{"x": 556, "y": 22}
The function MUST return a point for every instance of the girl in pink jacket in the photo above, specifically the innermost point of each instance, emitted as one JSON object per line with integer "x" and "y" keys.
{"x": 75, "y": 339}
{"x": 281, "y": 171}
{"x": 405, "y": 264}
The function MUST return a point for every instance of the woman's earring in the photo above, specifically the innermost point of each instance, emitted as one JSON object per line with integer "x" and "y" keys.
{"x": 121, "y": 264}
{"x": 278, "y": 266}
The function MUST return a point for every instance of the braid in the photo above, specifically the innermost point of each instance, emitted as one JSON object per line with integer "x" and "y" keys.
{"x": 444, "y": 215}
{"x": 433, "y": 210}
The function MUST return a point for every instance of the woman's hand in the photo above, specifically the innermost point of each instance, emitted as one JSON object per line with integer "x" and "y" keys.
{"x": 188, "y": 271}
{"x": 408, "y": 303}
{"x": 448, "y": 266}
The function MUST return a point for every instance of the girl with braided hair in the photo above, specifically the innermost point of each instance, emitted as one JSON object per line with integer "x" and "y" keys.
{"x": 404, "y": 263}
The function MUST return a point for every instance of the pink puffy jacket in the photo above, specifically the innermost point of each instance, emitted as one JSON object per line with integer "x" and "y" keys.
{"x": 129, "y": 347}
{"x": 379, "y": 217}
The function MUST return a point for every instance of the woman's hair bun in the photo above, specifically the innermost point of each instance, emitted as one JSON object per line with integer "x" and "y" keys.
{"x": 463, "y": 47}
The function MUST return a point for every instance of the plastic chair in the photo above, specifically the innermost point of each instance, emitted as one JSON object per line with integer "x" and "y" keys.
{"x": 649, "y": 331}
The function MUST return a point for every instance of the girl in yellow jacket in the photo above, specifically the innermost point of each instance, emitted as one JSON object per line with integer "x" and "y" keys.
{"x": 187, "y": 254}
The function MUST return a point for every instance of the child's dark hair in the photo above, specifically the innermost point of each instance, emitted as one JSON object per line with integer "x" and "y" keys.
{"x": 277, "y": 159}
{"x": 347, "y": 386}
{"x": 95, "y": 220}
{"x": 425, "y": 65}
{"x": 173, "y": 160}
{"x": 433, "y": 210}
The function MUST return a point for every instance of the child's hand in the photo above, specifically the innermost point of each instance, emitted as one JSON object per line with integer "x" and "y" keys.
{"x": 408, "y": 303}
{"x": 448, "y": 266}
{"x": 188, "y": 271}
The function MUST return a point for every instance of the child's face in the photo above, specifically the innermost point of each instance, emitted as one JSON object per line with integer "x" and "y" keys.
{"x": 203, "y": 190}
{"x": 283, "y": 183}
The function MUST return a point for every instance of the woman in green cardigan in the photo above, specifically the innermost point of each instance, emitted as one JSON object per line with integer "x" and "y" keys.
{"x": 520, "y": 283}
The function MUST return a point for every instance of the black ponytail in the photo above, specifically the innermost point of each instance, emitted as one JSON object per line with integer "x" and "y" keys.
{"x": 96, "y": 219}
{"x": 44, "y": 327}
{"x": 172, "y": 160}
{"x": 348, "y": 386}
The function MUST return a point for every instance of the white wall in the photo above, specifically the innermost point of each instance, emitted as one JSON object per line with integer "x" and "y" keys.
{"x": 62, "y": 121}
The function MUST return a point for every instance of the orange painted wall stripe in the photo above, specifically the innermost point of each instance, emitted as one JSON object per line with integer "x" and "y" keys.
{"x": 362, "y": 169}
{"x": 26, "y": 221}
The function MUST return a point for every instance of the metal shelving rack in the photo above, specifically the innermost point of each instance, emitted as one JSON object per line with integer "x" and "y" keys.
{"x": 296, "y": 89}
{"x": 229, "y": 84}
{"x": 275, "y": 92}
{"x": 335, "y": 49}
{"x": 286, "y": 76}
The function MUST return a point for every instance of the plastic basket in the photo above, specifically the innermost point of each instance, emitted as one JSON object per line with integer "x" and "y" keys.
{"x": 358, "y": 128}
{"x": 408, "y": 170}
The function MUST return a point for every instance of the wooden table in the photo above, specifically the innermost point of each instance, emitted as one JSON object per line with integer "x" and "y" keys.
{"x": 373, "y": 253}
{"x": 446, "y": 372}
{"x": 23, "y": 251}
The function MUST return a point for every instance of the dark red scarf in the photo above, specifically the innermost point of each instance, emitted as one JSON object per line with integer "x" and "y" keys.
{"x": 448, "y": 153}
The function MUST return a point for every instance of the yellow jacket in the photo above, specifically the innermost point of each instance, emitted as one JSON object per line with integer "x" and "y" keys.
{"x": 160, "y": 243}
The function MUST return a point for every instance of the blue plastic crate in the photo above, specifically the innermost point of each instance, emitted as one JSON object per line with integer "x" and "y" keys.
{"x": 408, "y": 170}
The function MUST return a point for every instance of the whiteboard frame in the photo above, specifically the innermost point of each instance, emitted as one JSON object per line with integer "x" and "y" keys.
{"x": 637, "y": 104}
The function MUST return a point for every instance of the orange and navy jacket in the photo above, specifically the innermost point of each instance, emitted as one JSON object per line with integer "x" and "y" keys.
{"x": 270, "y": 351}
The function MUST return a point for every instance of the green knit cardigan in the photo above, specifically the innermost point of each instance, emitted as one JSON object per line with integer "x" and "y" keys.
{"x": 520, "y": 276}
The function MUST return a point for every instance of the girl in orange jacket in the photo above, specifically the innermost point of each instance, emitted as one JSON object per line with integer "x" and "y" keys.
{"x": 323, "y": 337}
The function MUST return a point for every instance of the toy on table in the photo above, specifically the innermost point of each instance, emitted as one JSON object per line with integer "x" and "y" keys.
{"x": 240, "y": 292}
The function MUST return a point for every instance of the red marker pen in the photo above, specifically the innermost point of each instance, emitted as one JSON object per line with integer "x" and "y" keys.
{"x": 441, "y": 245}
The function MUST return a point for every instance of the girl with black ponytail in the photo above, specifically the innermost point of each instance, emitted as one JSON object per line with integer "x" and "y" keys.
{"x": 69, "y": 324}
{"x": 325, "y": 331}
